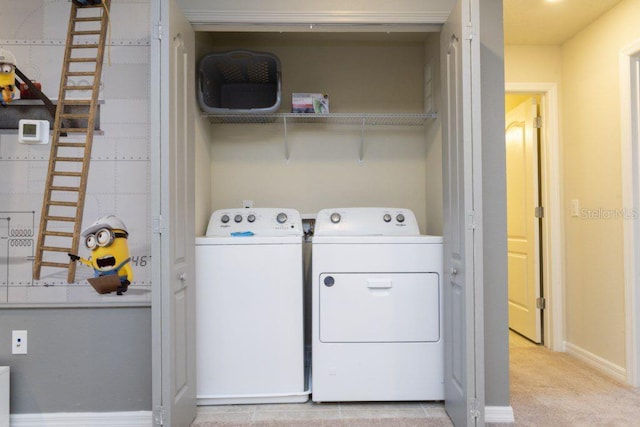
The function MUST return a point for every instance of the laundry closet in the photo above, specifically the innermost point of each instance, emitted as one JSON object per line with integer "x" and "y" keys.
{"x": 376, "y": 147}
{"x": 380, "y": 144}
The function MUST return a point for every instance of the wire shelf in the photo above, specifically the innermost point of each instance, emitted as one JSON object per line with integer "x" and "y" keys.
{"x": 366, "y": 119}
{"x": 362, "y": 120}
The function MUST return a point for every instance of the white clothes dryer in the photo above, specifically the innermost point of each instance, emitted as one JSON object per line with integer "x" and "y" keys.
{"x": 249, "y": 302}
{"x": 376, "y": 307}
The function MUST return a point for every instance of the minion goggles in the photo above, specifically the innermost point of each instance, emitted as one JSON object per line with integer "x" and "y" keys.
{"x": 103, "y": 237}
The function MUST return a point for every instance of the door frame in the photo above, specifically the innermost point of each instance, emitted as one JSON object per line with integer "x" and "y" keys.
{"x": 552, "y": 227}
{"x": 629, "y": 59}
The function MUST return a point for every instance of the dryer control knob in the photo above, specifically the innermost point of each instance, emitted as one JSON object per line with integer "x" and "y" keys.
{"x": 224, "y": 219}
{"x": 335, "y": 217}
{"x": 251, "y": 218}
{"x": 329, "y": 281}
{"x": 237, "y": 218}
{"x": 400, "y": 218}
{"x": 281, "y": 218}
{"x": 386, "y": 218}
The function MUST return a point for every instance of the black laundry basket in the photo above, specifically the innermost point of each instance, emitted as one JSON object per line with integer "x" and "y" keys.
{"x": 239, "y": 81}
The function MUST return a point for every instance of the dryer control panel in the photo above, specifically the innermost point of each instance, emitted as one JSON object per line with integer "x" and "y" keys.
{"x": 255, "y": 222}
{"x": 366, "y": 222}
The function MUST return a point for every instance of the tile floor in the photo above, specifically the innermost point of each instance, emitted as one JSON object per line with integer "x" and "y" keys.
{"x": 325, "y": 414}
{"x": 394, "y": 414}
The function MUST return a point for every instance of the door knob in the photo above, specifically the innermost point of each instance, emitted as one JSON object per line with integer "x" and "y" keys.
{"x": 453, "y": 271}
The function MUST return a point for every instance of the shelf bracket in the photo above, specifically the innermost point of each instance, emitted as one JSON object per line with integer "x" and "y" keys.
{"x": 286, "y": 140}
{"x": 361, "y": 157}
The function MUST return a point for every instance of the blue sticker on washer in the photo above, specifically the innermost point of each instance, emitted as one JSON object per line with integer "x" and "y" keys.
{"x": 242, "y": 233}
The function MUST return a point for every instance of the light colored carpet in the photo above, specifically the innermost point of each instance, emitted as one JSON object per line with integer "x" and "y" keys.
{"x": 555, "y": 389}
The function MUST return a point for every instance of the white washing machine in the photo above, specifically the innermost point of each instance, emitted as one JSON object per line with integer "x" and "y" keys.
{"x": 249, "y": 308}
{"x": 376, "y": 307}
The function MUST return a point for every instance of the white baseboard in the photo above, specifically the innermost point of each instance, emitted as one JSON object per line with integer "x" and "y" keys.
{"x": 84, "y": 419}
{"x": 597, "y": 362}
{"x": 498, "y": 414}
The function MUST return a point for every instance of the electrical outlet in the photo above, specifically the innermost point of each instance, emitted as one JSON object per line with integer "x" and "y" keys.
{"x": 19, "y": 342}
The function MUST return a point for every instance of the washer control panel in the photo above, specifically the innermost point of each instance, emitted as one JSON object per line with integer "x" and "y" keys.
{"x": 255, "y": 222}
{"x": 366, "y": 222}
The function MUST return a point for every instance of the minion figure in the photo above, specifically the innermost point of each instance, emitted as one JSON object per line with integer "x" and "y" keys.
{"x": 107, "y": 240}
{"x": 7, "y": 76}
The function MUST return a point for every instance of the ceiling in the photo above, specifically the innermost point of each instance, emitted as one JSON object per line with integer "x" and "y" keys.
{"x": 549, "y": 22}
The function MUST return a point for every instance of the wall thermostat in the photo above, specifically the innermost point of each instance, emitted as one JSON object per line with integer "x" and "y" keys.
{"x": 33, "y": 131}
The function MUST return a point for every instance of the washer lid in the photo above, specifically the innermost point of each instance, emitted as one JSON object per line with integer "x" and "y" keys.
{"x": 253, "y": 240}
{"x": 255, "y": 222}
{"x": 366, "y": 222}
{"x": 377, "y": 240}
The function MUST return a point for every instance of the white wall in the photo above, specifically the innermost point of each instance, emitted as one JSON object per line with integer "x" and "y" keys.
{"x": 592, "y": 163}
{"x": 586, "y": 69}
{"x": 434, "y": 141}
{"x": 525, "y": 64}
{"x": 203, "y": 175}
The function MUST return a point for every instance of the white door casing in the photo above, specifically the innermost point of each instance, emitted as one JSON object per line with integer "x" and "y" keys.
{"x": 173, "y": 202}
{"x": 629, "y": 63}
{"x": 521, "y": 141}
{"x": 462, "y": 193}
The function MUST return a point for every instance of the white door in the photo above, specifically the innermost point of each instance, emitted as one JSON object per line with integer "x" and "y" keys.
{"x": 521, "y": 139}
{"x": 462, "y": 178}
{"x": 173, "y": 245}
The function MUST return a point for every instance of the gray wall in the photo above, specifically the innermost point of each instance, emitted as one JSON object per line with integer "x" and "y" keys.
{"x": 79, "y": 359}
{"x": 496, "y": 343}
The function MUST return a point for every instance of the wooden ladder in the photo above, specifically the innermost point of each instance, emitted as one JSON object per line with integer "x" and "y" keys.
{"x": 66, "y": 184}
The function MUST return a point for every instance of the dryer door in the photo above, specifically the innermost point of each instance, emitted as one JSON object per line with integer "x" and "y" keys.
{"x": 379, "y": 307}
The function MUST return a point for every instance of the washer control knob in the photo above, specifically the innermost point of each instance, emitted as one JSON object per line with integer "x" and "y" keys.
{"x": 386, "y": 218}
{"x": 281, "y": 218}
{"x": 251, "y": 218}
{"x": 400, "y": 218}
{"x": 335, "y": 217}
{"x": 225, "y": 218}
{"x": 329, "y": 281}
{"x": 237, "y": 218}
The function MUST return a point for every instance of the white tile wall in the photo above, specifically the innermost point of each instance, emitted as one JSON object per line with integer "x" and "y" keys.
{"x": 119, "y": 178}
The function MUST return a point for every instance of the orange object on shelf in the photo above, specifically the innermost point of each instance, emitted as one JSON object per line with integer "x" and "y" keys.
{"x": 26, "y": 93}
